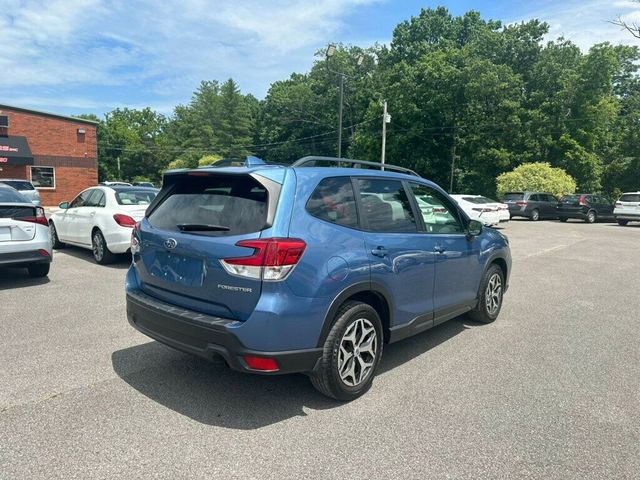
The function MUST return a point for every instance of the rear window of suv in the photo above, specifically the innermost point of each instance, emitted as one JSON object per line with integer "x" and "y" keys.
{"x": 630, "y": 197}
{"x": 213, "y": 205}
{"x": 18, "y": 184}
{"x": 513, "y": 196}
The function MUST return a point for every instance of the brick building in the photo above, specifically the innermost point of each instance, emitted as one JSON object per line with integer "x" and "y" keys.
{"x": 59, "y": 154}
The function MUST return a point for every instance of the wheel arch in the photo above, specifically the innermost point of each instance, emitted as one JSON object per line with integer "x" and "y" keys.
{"x": 373, "y": 294}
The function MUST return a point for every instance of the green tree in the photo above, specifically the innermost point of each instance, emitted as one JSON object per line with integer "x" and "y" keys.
{"x": 539, "y": 176}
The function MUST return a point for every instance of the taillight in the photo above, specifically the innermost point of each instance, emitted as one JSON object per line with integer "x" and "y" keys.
{"x": 40, "y": 217}
{"x": 522, "y": 204}
{"x": 272, "y": 258}
{"x": 124, "y": 220}
{"x": 582, "y": 202}
{"x": 483, "y": 210}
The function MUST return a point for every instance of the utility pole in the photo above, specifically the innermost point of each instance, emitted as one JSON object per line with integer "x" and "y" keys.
{"x": 119, "y": 176}
{"x": 453, "y": 160}
{"x": 340, "y": 117}
{"x": 386, "y": 118}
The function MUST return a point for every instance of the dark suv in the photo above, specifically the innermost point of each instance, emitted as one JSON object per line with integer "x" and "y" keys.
{"x": 532, "y": 205}
{"x": 308, "y": 268}
{"x": 589, "y": 207}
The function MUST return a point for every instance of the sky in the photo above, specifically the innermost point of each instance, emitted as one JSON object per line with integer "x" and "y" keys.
{"x": 91, "y": 56}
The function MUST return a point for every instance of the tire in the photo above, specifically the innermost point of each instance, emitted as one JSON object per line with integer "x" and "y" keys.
{"x": 591, "y": 217}
{"x": 563, "y": 219}
{"x": 489, "y": 305}
{"x": 352, "y": 319}
{"x": 101, "y": 253}
{"x": 53, "y": 233}
{"x": 535, "y": 215}
{"x": 622, "y": 223}
{"x": 39, "y": 270}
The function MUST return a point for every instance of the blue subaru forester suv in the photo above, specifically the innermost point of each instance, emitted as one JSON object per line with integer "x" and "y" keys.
{"x": 308, "y": 268}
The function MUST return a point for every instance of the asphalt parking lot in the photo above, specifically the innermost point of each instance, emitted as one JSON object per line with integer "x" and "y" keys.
{"x": 550, "y": 390}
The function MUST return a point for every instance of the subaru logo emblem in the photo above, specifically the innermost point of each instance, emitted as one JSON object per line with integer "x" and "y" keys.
{"x": 170, "y": 243}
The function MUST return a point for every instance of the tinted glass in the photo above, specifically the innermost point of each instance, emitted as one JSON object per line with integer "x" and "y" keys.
{"x": 534, "y": 198}
{"x": 570, "y": 199}
{"x": 97, "y": 199}
{"x": 630, "y": 197}
{"x": 385, "y": 206}
{"x": 438, "y": 213}
{"x": 237, "y": 205}
{"x": 9, "y": 195}
{"x": 477, "y": 200}
{"x": 513, "y": 196}
{"x": 18, "y": 184}
{"x": 82, "y": 200}
{"x": 135, "y": 197}
{"x": 333, "y": 201}
{"x": 16, "y": 212}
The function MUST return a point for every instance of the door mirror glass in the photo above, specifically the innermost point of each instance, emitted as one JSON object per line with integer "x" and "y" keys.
{"x": 474, "y": 228}
{"x": 64, "y": 205}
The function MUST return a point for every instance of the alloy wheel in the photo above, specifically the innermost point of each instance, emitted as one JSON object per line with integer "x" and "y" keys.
{"x": 493, "y": 294}
{"x": 357, "y": 354}
{"x": 98, "y": 246}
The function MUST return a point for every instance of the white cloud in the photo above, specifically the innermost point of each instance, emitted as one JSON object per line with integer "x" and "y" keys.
{"x": 164, "y": 48}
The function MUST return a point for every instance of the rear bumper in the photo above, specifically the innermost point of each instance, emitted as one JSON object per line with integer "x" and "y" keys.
{"x": 632, "y": 217}
{"x": 26, "y": 257}
{"x": 206, "y": 336}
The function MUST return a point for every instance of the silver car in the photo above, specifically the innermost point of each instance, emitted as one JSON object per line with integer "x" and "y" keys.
{"x": 25, "y": 187}
{"x": 24, "y": 234}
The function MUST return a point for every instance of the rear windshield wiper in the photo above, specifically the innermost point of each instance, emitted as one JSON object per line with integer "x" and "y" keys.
{"x": 201, "y": 227}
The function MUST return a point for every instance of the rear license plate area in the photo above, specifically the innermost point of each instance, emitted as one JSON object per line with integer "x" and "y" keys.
{"x": 180, "y": 269}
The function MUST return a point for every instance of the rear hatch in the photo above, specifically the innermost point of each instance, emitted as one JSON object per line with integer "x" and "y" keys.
{"x": 572, "y": 203}
{"x": 629, "y": 203}
{"x": 515, "y": 200}
{"x": 196, "y": 221}
{"x": 17, "y": 223}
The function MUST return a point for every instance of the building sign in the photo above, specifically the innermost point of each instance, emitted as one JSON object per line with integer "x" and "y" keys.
{"x": 15, "y": 150}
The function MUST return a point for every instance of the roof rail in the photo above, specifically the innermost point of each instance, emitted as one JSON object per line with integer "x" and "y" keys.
{"x": 312, "y": 160}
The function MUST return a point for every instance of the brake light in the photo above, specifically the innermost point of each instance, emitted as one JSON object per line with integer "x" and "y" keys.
{"x": 522, "y": 204}
{"x": 261, "y": 363}
{"x": 582, "y": 202}
{"x": 272, "y": 258}
{"x": 40, "y": 218}
{"x": 124, "y": 220}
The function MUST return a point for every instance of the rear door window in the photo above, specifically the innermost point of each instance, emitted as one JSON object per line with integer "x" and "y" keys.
{"x": 385, "y": 206}
{"x": 213, "y": 205}
{"x": 97, "y": 199}
{"x": 333, "y": 201}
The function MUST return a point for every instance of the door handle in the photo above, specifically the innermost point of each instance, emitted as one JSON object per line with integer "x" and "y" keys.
{"x": 380, "y": 252}
{"x": 439, "y": 249}
{"x": 92, "y": 214}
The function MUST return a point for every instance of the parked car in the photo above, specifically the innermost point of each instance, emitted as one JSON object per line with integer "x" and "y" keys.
{"x": 589, "y": 207}
{"x": 477, "y": 208}
{"x": 24, "y": 233}
{"x": 307, "y": 268}
{"x": 144, "y": 184}
{"x": 100, "y": 219}
{"x": 532, "y": 205}
{"x": 627, "y": 208}
{"x": 25, "y": 187}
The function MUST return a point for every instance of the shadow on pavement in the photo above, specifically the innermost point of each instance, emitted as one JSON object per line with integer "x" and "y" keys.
{"x": 11, "y": 278}
{"x": 212, "y": 394}
{"x": 121, "y": 262}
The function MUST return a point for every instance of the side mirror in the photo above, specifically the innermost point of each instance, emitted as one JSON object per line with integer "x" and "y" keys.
{"x": 474, "y": 228}
{"x": 64, "y": 205}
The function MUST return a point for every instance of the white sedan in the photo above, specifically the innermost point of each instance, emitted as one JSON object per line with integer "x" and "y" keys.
{"x": 100, "y": 219}
{"x": 481, "y": 209}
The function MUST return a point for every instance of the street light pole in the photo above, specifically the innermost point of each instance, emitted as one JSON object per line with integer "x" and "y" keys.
{"x": 386, "y": 118}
